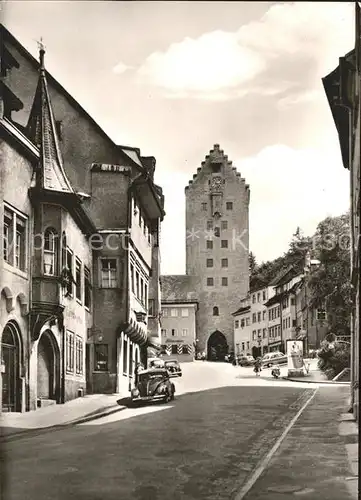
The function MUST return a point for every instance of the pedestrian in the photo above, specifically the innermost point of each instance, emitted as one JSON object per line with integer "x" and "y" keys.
{"x": 257, "y": 367}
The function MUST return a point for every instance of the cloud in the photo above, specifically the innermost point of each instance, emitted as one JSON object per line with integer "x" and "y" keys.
{"x": 220, "y": 65}
{"x": 120, "y": 68}
{"x": 291, "y": 188}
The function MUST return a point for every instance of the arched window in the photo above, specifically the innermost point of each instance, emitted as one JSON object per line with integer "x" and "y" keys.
{"x": 50, "y": 251}
{"x": 215, "y": 311}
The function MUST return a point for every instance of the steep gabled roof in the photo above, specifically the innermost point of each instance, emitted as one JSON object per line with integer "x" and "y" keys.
{"x": 42, "y": 131}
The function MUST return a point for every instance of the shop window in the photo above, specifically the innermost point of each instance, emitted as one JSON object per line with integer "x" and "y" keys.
{"x": 184, "y": 349}
{"x": 78, "y": 279}
{"x": 101, "y": 357}
{"x": 87, "y": 288}
{"x": 174, "y": 349}
{"x": 137, "y": 285}
{"x": 79, "y": 368}
{"x": 215, "y": 311}
{"x": 109, "y": 273}
{"x": 69, "y": 352}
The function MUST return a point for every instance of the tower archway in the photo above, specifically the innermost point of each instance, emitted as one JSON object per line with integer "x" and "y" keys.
{"x": 217, "y": 346}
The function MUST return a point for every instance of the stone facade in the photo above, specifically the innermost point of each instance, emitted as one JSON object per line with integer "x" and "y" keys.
{"x": 217, "y": 243}
{"x": 74, "y": 306}
{"x": 343, "y": 91}
{"x": 179, "y": 330}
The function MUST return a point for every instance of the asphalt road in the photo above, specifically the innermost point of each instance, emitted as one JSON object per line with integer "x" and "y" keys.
{"x": 204, "y": 445}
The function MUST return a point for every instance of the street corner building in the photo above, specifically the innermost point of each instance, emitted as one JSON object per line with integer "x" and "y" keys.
{"x": 217, "y": 247}
{"x": 80, "y": 261}
{"x": 343, "y": 91}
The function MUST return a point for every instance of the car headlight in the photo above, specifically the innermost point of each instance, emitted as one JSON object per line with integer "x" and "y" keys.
{"x": 161, "y": 389}
{"x": 135, "y": 392}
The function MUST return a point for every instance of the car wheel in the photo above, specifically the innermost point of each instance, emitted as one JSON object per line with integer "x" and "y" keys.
{"x": 180, "y": 374}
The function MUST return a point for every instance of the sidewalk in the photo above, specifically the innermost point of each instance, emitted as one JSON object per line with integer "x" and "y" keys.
{"x": 314, "y": 375}
{"x": 318, "y": 458}
{"x": 78, "y": 410}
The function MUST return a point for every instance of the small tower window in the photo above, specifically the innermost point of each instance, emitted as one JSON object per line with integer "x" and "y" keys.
{"x": 204, "y": 206}
{"x": 215, "y": 311}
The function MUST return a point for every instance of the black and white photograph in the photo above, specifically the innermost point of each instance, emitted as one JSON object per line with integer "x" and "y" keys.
{"x": 180, "y": 250}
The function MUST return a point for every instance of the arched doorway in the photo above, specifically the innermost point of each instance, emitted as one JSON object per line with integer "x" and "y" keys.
{"x": 217, "y": 346}
{"x": 46, "y": 378}
{"x": 10, "y": 370}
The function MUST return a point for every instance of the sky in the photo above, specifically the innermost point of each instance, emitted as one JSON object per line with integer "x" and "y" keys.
{"x": 175, "y": 78}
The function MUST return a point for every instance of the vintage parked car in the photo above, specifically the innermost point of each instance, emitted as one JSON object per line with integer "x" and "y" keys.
{"x": 153, "y": 385}
{"x": 155, "y": 363}
{"x": 247, "y": 360}
{"x": 173, "y": 367}
{"x": 273, "y": 358}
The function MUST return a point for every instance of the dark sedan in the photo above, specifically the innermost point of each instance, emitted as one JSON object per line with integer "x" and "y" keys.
{"x": 173, "y": 368}
{"x": 153, "y": 385}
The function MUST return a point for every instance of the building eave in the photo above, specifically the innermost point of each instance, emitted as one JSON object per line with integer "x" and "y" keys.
{"x": 12, "y": 131}
{"x": 69, "y": 201}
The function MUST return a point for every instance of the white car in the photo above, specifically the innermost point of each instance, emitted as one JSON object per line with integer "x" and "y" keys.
{"x": 273, "y": 358}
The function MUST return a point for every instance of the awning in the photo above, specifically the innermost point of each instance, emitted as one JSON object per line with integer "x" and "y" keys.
{"x": 136, "y": 332}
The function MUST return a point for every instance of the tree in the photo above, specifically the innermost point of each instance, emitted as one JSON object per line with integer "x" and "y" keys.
{"x": 252, "y": 263}
{"x": 330, "y": 284}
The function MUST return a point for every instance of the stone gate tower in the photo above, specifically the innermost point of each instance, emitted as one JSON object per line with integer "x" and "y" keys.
{"x": 217, "y": 242}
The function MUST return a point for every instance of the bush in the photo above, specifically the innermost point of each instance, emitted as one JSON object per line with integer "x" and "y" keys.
{"x": 333, "y": 358}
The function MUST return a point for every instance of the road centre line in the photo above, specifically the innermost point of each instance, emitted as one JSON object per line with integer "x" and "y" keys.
{"x": 260, "y": 468}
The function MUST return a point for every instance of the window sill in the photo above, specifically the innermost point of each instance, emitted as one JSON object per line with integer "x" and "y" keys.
{"x": 15, "y": 270}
